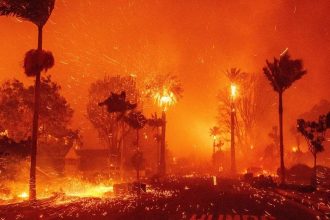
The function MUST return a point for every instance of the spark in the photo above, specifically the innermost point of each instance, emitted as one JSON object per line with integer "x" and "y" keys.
{"x": 286, "y": 49}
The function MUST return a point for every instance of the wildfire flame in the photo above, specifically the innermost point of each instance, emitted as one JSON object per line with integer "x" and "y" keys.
{"x": 233, "y": 90}
{"x": 92, "y": 191}
{"x": 294, "y": 149}
{"x": 23, "y": 195}
{"x": 165, "y": 98}
{"x": 69, "y": 187}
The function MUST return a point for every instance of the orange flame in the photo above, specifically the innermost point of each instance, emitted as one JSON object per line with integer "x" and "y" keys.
{"x": 165, "y": 99}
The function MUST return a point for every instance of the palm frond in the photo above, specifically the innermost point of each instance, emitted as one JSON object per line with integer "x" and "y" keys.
{"x": 283, "y": 72}
{"x": 36, "y": 11}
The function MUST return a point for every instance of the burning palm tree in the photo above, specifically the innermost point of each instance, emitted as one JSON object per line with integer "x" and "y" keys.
{"x": 281, "y": 74}
{"x": 214, "y": 132}
{"x": 235, "y": 76}
{"x": 165, "y": 91}
{"x": 37, "y": 12}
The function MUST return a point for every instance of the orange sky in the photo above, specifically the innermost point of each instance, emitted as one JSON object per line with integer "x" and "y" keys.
{"x": 194, "y": 39}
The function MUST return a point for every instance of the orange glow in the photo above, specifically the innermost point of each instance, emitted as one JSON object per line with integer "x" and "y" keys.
{"x": 23, "y": 195}
{"x": 165, "y": 99}
{"x": 70, "y": 187}
{"x": 91, "y": 191}
{"x": 233, "y": 91}
{"x": 195, "y": 40}
{"x": 294, "y": 149}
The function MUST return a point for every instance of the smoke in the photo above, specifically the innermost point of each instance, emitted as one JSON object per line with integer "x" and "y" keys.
{"x": 196, "y": 40}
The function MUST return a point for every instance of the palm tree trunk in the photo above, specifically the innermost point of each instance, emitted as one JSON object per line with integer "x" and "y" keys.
{"x": 122, "y": 151}
{"x": 137, "y": 150}
{"x": 280, "y": 112}
{"x": 232, "y": 138}
{"x": 162, "y": 146}
{"x": 33, "y": 191}
{"x": 314, "y": 180}
{"x": 213, "y": 155}
{"x": 158, "y": 151}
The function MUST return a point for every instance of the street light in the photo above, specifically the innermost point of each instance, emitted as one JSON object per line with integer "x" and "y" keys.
{"x": 233, "y": 95}
{"x": 164, "y": 99}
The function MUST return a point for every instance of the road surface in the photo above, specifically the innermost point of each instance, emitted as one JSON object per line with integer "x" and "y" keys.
{"x": 176, "y": 198}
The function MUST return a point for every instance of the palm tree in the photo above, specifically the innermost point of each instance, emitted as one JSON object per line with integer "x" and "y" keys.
{"x": 165, "y": 89}
{"x": 214, "y": 132}
{"x": 137, "y": 121}
{"x": 37, "y": 12}
{"x": 235, "y": 75}
{"x": 281, "y": 74}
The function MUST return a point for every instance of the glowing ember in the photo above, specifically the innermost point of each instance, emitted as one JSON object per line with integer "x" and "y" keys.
{"x": 294, "y": 149}
{"x": 23, "y": 195}
{"x": 92, "y": 191}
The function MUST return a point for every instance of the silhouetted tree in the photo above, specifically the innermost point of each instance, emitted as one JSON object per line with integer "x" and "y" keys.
{"x": 55, "y": 115}
{"x": 214, "y": 133}
{"x": 282, "y": 73}
{"x": 165, "y": 90}
{"x": 16, "y": 109}
{"x": 155, "y": 85}
{"x": 117, "y": 94}
{"x": 156, "y": 123}
{"x": 109, "y": 92}
{"x": 37, "y": 12}
{"x": 137, "y": 121}
{"x": 252, "y": 103}
{"x": 314, "y": 133}
{"x": 235, "y": 75}
{"x": 117, "y": 103}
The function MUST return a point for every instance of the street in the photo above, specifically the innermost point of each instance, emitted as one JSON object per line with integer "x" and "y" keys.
{"x": 184, "y": 198}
